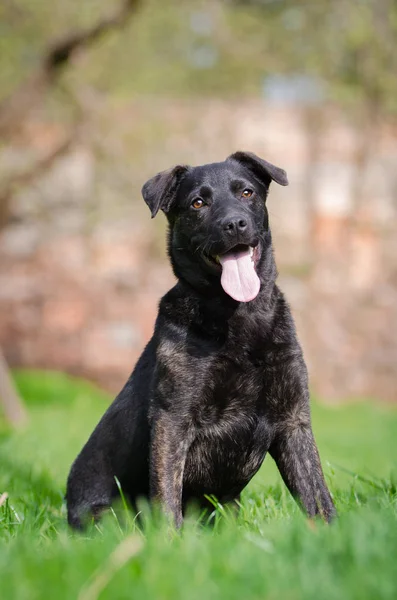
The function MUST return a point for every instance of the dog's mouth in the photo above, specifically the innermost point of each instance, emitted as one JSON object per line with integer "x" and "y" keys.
{"x": 215, "y": 259}
{"x": 239, "y": 278}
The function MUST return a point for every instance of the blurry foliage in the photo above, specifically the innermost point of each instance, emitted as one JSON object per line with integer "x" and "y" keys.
{"x": 194, "y": 48}
{"x": 350, "y": 44}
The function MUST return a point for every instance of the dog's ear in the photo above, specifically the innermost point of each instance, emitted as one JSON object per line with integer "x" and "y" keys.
{"x": 263, "y": 170}
{"x": 159, "y": 192}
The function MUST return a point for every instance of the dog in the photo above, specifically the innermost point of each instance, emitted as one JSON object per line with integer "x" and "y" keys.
{"x": 223, "y": 380}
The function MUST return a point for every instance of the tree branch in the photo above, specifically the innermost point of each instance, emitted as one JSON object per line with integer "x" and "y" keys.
{"x": 15, "y": 108}
{"x": 31, "y": 174}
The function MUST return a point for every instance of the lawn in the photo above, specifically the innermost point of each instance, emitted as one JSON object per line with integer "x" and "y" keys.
{"x": 268, "y": 551}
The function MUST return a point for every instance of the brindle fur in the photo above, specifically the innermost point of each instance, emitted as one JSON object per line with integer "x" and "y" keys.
{"x": 221, "y": 383}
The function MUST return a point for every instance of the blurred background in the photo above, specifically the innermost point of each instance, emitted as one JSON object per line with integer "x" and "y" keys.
{"x": 98, "y": 96}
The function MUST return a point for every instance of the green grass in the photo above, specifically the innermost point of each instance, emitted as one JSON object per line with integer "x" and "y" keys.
{"x": 268, "y": 551}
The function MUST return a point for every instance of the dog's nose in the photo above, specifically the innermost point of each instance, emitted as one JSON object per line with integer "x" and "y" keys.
{"x": 235, "y": 225}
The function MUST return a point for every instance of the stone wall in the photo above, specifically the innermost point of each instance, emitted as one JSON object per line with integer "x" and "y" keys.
{"x": 82, "y": 266}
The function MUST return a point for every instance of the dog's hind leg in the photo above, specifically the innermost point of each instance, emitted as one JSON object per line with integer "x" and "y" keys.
{"x": 118, "y": 448}
{"x": 90, "y": 488}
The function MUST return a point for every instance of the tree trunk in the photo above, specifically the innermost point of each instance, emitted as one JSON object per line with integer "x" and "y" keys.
{"x": 10, "y": 401}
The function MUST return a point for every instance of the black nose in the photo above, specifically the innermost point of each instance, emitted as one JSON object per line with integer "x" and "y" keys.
{"x": 234, "y": 225}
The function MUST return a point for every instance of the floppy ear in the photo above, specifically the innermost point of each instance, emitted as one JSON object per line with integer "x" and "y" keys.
{"x": 159, "y": 191}
{"x": 262, "y": 169}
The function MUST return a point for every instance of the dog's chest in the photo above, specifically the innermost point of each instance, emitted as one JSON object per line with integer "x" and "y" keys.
{"x": 231, "y": 434}
{"x": 227, "y": 385}
{"x": 218, "y": 387}
{"x": 229, "y": 420}
{"x": 226, "y": 454}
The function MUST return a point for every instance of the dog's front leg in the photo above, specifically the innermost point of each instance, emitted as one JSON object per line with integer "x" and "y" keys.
{"x": 295, "y": 452}
{"x": 169, "y": 447}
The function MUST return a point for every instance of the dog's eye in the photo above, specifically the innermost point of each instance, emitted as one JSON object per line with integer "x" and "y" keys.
{"x": 198, "y": 203}
{"x": 247, "y": 193}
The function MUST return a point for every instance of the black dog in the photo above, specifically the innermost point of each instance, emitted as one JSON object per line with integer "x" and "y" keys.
{"x": 223, "y": 379}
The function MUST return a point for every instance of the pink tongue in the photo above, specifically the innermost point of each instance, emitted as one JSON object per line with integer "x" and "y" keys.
{"x": 239, "y": 278}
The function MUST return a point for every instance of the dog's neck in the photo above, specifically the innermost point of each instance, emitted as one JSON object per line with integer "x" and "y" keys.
{"x": 190, "y": 270}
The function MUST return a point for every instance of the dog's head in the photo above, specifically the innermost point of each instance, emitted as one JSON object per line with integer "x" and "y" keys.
{"x": 218, "y": 220}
